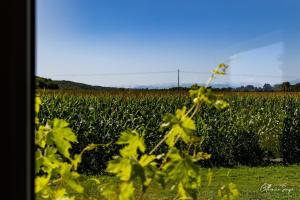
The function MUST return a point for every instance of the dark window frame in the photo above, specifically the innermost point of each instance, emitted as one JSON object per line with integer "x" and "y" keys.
{"x": 18, "y": 101}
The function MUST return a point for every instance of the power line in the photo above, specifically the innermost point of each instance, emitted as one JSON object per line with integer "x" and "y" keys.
{"x": 115, "y": 74}
{"x": 192, "y": 72}
{"x": 245, "y": 75}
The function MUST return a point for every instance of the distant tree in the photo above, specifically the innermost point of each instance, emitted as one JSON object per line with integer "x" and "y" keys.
{"x": 267, "y": 87}
{"x": 195, "y": 86}
{"x": 250, "y": 88}
{"x": 52, "y": 86}
{"x": 44, "y": 83}
{"x": 277, "y": 87}
{"x": 296, "y": 87}
{"x": 259, "y": 89}
{"x": 285, "y": 86}
{"x": 228, "y": 89}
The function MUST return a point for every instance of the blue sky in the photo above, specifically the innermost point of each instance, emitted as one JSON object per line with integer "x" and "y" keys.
{"x": 91, "y": 40}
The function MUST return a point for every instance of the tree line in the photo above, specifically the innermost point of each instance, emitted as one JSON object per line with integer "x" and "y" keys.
{"x": 283, "y": 87}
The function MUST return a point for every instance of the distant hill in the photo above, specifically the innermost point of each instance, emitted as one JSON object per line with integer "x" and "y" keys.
{"x": 45, "y": 83}
{"x": 70, "y": 85}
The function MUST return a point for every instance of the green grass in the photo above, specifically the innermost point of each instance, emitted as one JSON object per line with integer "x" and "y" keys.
{"x": 259, "y": 183}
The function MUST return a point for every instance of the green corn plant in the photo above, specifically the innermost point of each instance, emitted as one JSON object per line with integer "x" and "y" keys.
{"x": 99, "y": 117}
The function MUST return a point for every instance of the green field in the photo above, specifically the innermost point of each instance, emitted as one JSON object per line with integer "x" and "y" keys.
{"x": 257, "y": 183}
{"x": 256, "y": 127}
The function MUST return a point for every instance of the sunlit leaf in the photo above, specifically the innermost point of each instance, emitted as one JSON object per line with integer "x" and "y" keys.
{"x": 134, "y": 143}
{"x": 62, "y": 135}
{"x": 74, "y": 185}
{"x": 146, "y": 159}
{"x": 126, "y": 191}
{"x": 40, "y": 183}
{"x": 121, "y": 167}
{"x": 37, "y": 104}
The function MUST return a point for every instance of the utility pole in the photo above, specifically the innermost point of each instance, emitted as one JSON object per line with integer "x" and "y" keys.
{"x": 178, "y": 79}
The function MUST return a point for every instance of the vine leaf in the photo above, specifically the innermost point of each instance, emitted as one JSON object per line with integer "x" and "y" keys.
{"x": 60, "y": 194}
{"x": 62, "y": 136}
{"x": 184, "y": 172}
{"x": 126, "y": 191}
{"x": 146, "y": 159}
{"x": 121, "y": 167}
{"x": 69, "y": 177}
{"x": 181, "y": 125}
{"x": 134, "y": 143}
{"x": 41, "y": 182}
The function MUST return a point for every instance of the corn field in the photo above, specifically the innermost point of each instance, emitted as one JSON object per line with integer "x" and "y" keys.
{"x": 255, "y": 127}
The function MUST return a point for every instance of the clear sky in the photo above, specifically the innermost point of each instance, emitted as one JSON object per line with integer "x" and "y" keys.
{"x": 101, "y": 42}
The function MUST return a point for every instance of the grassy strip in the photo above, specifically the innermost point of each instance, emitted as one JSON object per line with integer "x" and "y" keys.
{"x": 259, "y": 183}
